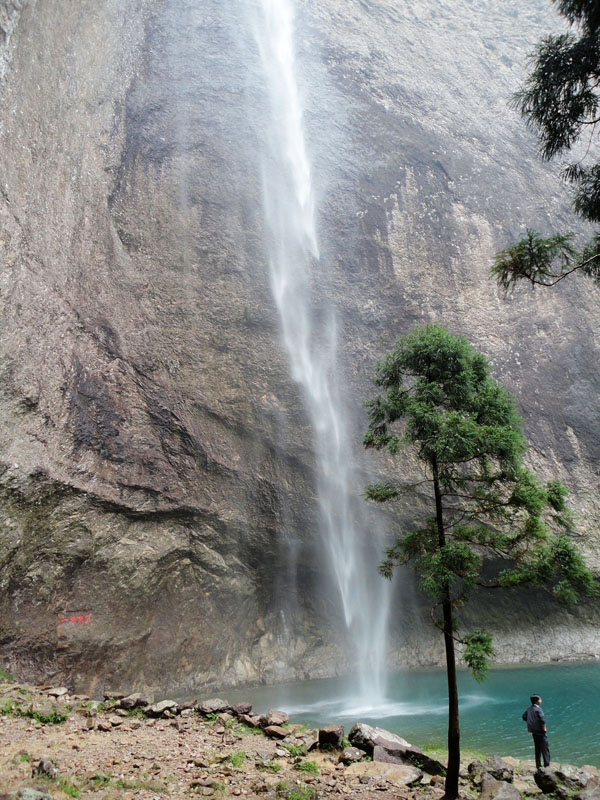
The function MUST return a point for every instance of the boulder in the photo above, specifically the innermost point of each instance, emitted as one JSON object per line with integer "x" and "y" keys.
{"x": 590, "y": 794}
{"x": 276, "y": 732}
{"x": 497, "y": 767}
{"x": 351, "y": 754}
{"x": 492, "y": 789}
{"x": 213, "y": 706}
{"x": 566, "y": 779}
{"x": 308, "y": 739}
{"x": 241, "y": 708}
{"x": 331, "y": 735}
{"x": 164, "y": 708}
{"x": 45, "y": 768}
{"x": 546, "y": 780}
{"x": 389, "y": 748}
{"x": 527, "y": 786}
{"x": 249, "y": 720}
{"x": 365, "y": 737}
{"x": 28, "y": 793}
{"x": 399, "y": 774}
{"x": 273, "y": 717}
{"x": 384, "y": 756}
{"x": 135, "y": 700}
{"x": 573, "y": 777}
{"x": 60, "y": 691}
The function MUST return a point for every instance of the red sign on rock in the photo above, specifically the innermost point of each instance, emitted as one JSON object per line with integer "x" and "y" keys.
{"x": 75, "y": 619}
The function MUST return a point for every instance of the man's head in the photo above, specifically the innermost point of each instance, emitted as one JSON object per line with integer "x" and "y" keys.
{"x": 536, "y": 700}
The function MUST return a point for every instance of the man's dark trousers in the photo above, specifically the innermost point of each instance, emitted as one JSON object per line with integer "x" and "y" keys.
{"x": 542, "y": 749}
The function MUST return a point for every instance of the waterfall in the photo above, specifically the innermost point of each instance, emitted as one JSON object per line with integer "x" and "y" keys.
{"x": 293, "y": 253}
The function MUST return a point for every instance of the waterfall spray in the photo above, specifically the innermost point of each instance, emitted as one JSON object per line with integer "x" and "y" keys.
{"x": 289, "y": 202}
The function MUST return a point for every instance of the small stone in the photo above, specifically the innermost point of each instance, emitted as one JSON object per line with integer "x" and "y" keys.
{"x": 351, "y": 754}
{"x": 115, "y": 721}
{"x": 60, "y": 691}
{"x": 104, "y": 725}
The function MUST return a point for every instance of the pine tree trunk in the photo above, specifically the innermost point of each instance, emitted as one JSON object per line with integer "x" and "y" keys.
{"x": 451, "y": 786}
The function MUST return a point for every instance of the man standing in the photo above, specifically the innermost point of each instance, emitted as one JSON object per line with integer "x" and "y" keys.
{"x": 536, "y": 725}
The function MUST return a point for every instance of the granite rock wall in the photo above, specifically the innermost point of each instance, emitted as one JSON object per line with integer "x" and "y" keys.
{"x": 156, "y": 462}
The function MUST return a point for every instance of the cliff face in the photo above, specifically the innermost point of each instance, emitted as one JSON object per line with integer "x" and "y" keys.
{"x": 156, "y": 463}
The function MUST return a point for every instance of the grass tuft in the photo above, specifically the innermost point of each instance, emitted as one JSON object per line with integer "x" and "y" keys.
{"x": 307, "y": 766}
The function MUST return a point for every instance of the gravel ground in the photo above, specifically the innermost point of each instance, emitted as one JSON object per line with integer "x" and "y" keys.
{"x": 183, "y": 757}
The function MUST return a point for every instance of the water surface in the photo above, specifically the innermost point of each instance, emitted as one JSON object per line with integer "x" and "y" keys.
{"x": 416, "y": 708}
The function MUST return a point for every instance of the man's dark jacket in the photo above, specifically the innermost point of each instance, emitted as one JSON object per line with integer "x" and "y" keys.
{"x": 534, "y": 717}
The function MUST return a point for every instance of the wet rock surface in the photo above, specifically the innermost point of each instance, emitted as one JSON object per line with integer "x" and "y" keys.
{"x": 153, "y": 444}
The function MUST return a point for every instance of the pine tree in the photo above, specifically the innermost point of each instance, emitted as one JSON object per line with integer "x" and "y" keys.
{"x": 561, "y": 102}
{"x": 439, "y": 401}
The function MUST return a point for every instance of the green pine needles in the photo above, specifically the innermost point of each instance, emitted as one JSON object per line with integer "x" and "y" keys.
{"x": 438, "y": 400}
{"x": 560, "y": 100}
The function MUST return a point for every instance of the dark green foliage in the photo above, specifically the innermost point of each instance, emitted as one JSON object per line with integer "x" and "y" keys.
{"x": 561, "y": 102}
{"x": 560, "y": 97}
{"x": 439, "y": 400}
{"x": 545, "y": 262}
{"x": 478, "y": 652}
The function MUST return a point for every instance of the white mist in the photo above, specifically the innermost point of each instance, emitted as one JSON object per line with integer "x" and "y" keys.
{"x": 293, "y": 252}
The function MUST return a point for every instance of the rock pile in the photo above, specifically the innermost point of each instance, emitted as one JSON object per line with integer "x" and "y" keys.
{"x": 136, "y": 747}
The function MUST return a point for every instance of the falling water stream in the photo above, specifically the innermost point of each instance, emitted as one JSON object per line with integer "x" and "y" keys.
{"x": 293, "y": 253}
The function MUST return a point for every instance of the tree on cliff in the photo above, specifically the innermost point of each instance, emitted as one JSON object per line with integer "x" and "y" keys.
{"x": 561, "y": 102}
{"x": 439, "y": 402}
